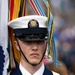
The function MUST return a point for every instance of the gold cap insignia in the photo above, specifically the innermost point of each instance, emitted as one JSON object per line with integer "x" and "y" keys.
{"x": 33, "y": 23}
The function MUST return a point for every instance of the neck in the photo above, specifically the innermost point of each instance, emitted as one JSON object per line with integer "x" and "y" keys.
{"x": 31, "y": 69}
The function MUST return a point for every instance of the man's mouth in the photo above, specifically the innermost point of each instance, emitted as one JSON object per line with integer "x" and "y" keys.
{"x": 34, "y": 54}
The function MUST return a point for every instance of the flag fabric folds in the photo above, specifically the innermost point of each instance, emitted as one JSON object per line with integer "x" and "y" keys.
{"x": 4, "y": 57}
{"x": 17, "y": 8}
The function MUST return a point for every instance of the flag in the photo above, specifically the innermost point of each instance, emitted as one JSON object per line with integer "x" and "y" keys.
{"x": 4, "y": 57}
{"x": 17, "y": 8}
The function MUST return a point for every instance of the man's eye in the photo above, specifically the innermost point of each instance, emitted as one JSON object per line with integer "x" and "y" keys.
{"x": 40, "y": 42}
{"x": 26, "y": 42}
{"x": 30, "y": 42}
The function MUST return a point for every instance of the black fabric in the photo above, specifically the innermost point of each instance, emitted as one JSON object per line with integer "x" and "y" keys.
{"x": 18, "y": 72}
{"x": 47, "y": 71}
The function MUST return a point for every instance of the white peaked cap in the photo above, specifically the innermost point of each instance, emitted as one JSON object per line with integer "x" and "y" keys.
{"x": 22, "y": 22}
{"x": 30, "y": 25}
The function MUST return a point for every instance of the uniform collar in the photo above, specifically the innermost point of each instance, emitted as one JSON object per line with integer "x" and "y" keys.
{"x": 54, "y": 73}
{"x": 38, "y": 72}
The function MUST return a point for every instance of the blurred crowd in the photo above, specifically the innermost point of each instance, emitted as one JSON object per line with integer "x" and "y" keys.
{"x": 64, "y": 20}
{"x": 66, "y": 48}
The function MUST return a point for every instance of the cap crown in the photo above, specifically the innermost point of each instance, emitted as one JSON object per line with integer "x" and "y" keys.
{"x": 22, "y": 22}
{"x": 30, "y": 25}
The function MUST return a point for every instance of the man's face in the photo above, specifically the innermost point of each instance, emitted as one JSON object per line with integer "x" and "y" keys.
{"x": 33, "y": 50}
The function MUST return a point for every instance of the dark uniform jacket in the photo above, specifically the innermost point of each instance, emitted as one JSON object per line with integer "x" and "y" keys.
{"x": 18, "y": 72}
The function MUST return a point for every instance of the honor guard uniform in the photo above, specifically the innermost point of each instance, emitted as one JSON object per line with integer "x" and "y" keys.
{"x": 31, "y": 40}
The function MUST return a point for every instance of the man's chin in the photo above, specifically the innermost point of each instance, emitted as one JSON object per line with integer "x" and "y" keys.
{"x": 35, "y": 63}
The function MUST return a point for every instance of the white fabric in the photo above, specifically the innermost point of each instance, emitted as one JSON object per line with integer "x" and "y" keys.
{"x": 22, "y": 22}
{"x": 54, "y": 73}
{"x": 38, "y": 72}
{"x": 4, "y": 32}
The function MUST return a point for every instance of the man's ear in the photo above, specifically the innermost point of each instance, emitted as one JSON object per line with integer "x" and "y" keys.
{"x": 16, "y": 44}
{"x": 47, "y": 41}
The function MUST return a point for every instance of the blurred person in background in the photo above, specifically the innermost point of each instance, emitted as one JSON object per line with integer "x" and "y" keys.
{"x": 67, "y": 49}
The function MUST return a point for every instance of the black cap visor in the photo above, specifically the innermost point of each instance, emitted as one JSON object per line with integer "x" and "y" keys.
{"x": 31, "y": 34}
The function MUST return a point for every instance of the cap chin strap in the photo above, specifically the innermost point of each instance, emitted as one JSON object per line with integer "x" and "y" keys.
{"x": 27, "y": 59}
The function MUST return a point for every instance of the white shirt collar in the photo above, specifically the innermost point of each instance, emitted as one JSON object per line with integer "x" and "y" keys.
{"x": 38, "y": 72}
{"x": 54, "y": 73}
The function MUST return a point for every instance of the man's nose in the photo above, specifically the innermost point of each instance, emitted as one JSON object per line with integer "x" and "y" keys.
{"x": 34, "y": 46}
